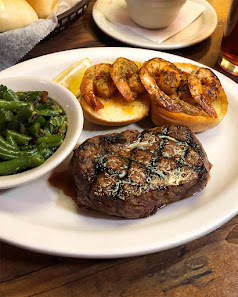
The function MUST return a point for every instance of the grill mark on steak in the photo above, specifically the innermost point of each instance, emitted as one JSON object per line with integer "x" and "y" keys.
{"x": 132, "y": 174}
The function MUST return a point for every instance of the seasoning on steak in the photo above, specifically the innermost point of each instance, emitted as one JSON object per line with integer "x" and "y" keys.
{"x": 132, "y": 174}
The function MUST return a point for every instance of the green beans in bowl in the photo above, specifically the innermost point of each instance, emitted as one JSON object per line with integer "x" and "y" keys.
{"x": 40, "y": 124}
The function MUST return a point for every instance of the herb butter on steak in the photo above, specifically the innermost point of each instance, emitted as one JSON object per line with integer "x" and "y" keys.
{"x": 132, "y": 174}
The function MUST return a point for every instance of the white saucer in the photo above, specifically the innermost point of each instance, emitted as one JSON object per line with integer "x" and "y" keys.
{"x": 199, "y": 30}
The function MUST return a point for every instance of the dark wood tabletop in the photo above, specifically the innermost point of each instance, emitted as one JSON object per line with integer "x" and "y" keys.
{"x": 206, "y": 267}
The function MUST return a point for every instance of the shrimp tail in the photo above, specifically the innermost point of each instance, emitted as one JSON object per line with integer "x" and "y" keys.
{"x": 208, "y": 108}
{"x": 125, "y": 90}
{"x": 188, "y": 108}
{"x": 92, "y": 101}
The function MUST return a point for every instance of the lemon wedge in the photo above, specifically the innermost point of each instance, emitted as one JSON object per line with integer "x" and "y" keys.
{"x": 72, "y": 76}
{"x": 139, "y": 64}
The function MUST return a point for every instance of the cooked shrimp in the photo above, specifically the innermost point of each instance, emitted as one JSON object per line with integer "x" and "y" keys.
{"x": 204, "y": 86}
{"x": 161, "y": 78}
{"x": 97, "y": 82}
{"x": 182, "y": 91}
{"x": 186, "y": 106}
{"x": 125, "y": 75}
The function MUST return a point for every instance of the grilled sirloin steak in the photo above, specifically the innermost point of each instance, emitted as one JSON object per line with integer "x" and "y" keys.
{"x": 132, "y": 174}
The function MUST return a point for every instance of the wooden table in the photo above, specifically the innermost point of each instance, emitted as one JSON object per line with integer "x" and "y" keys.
{"x": 205, "y": 267}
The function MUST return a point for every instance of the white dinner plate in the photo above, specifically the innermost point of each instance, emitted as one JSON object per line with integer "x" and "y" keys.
{"x": 39, "y": 217}
{"x": 196, "y": 32}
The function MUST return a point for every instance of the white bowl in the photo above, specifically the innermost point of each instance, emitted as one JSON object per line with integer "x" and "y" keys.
{"x": 73, "y": 111}
{"x": 154, "y": 14}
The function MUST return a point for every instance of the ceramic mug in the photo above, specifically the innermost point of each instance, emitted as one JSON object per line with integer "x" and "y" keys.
{"x": 154, "y": 14}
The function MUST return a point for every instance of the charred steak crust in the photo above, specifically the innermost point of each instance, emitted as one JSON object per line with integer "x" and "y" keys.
{"x": 132, "y": 174}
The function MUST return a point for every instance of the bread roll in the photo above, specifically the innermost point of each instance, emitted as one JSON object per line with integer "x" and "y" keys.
{"x": 43, "y": 7}
{"x": 15, "y": 14}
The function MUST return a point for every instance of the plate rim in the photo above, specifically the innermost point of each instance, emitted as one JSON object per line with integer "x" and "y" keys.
{"x": 117, "y": 253}
{"x": 97, "y": 17}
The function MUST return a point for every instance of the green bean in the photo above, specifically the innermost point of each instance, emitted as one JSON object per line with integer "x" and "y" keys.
{"x": 10, "y": 155}
{"x": 22, "y": 116}
{"x": 46, "y": 153}
{"x": 10, "y": 95}
{"x": 33, "y": 96}
{"x": 18, "y": 137}
{"x": 2, "y": 90}
{"x": 49, "y": 138}
{"x": 5, "y": 116}
{"x": 27, "y": 147}
{"x": 11, "y": 105}
{"x": 57, "y": 120}
{"x": 63, "y": 128}
{"x": 20, "y": 164}
{"x": 48, "y": 128}
{"x": 55, "y": 144}
{"x": 16, "y": 152}
{"x": 38, "y": 146}
{"x": 41, "y": 120}
{"x": 25, "y": 113}
{"x": 21, "y": 95}
{"x": 34, "y": 129}
{"x": 56, "y": 123}
{"x": 31, "y": 124}
{"x": 44, "y": 150}
{"x": 6, "y": 156}
{"x": 48, "y": 112}
{"x": 6, "y": 144}
{"x": 11, "y": 140}
{"x": 48, "y": 145}
{"x": 48, "y": 105}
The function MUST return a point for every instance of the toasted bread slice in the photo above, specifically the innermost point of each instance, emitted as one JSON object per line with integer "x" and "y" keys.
{"x": 117, "y": 111}
{"x": 197, "y": 124}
